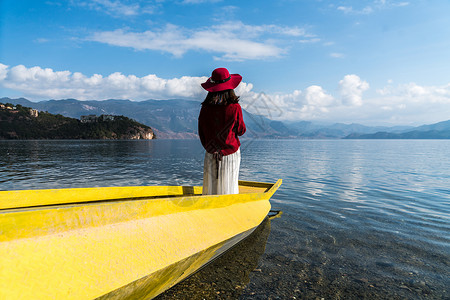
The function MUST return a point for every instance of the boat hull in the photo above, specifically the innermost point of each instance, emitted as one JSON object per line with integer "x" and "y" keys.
{"x": 161, "y": 280}
{"x": 120, "y": 248}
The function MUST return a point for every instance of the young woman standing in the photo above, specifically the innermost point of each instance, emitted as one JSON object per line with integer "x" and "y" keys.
{"x": 220, "y": 123}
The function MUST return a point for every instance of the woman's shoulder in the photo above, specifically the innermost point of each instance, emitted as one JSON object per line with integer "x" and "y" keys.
{"x": 234, "y": 107}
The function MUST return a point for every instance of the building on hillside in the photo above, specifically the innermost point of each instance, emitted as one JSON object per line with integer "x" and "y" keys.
{"x": 88, "y": 119}
{"x": 3, "y": 106}
{"x": 107, "y": 117}
{"x": 34, "y": 112}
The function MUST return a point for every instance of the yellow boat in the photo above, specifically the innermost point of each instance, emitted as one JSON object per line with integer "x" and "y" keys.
{"x": 118, "y": 242}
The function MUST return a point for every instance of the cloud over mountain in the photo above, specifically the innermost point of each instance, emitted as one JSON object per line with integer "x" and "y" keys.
{"x": 37, "y": 82}
{"x": 351, "y": 89}
{"x": 394, "y": 104}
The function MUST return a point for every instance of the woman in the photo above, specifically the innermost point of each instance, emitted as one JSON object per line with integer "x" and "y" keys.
{"x": 219, "y": 124}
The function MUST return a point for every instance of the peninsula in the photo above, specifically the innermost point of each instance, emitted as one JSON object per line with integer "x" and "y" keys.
{"x": 24, "y": 123}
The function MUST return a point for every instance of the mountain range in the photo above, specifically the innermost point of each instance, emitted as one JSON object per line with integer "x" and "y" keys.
{"x": 178, "y": 119}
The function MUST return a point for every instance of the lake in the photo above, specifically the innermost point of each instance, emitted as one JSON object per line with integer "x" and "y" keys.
{"x": 361, "y": 218}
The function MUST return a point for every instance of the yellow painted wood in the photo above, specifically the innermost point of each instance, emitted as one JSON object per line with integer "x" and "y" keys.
{"x": 29, "y": 198}
{"x": 116, "y": 246}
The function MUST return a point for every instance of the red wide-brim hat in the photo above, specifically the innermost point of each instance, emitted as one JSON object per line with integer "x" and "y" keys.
{"x": 221, "y": 80}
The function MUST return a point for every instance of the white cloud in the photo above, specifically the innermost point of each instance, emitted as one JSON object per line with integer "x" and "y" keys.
{"x": 41, "y": 40}
{"x": 376, "y": 5}
{"x": 410, "y": 104}
{"x": 312, "y": 103}
{"x": 318, "y": 97}
{"x": 417, "y": 94}
{"x": 350, "y": 10}
{"x": 403, "y": 104}
{"x": 351, "y": 89}
{"x": 243, "y": 41}
{"x": 39, "y": 83}
{"x": 116, "y": 8}
{"x": 3, "y": 72}
{"x": 200, "y": 1}
{"x": 400, "y": 4}
{"x": 390, "y": 3}
{"x": 337, "y": 55}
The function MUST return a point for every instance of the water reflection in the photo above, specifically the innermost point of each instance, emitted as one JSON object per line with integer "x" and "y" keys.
{"x": 227, "y": 276}
{"x": 71, "y": 164}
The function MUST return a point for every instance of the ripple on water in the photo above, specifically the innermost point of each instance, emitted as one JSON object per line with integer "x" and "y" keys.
{"x": 362, "y": 219}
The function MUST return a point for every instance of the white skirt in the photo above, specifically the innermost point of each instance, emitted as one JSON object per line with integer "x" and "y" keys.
{"x": 227, "y": 181}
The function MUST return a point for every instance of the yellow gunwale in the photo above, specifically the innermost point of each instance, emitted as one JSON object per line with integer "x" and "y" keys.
{"x": 14, "y": 199}
{"x": 53, "y": 217}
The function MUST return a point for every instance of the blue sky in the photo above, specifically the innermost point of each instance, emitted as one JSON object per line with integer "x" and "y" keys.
{"x": 371, "y": 62}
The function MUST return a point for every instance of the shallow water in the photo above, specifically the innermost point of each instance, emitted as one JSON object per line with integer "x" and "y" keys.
{"x": 361, "y": 218}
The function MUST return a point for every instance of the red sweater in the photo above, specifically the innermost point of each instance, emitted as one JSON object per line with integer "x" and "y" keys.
{"x": 219, "y": 127}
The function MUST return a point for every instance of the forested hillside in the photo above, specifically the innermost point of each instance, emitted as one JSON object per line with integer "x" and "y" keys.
{"x": 20, "y": 122}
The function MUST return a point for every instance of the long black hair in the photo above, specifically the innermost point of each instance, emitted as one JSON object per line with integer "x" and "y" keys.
{"x": 221, "y": 98}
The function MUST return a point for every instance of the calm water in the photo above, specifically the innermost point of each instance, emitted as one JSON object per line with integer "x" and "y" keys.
{"x": 361, "y": 219}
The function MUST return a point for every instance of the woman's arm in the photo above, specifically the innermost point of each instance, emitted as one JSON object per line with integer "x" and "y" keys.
{"x": 240, "y": 128}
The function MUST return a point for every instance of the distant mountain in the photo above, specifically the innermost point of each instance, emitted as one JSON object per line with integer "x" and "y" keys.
{"x": 441, "y": 126}
{"x": 168, "y": 118}
{"x": 178, "y": 119}
{"x": 439, "y": 130}
{"x": 305, "y": 129}
{"x": 414, "y": 134}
